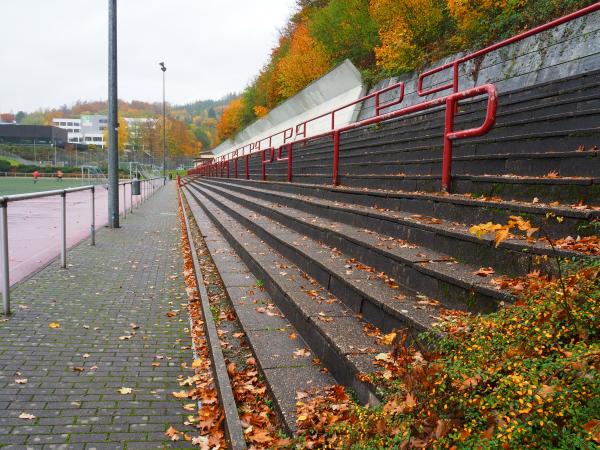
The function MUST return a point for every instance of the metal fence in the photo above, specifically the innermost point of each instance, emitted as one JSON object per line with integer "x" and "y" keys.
{"x": 147, "y": 188}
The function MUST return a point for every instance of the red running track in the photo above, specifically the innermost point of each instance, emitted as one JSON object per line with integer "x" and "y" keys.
{"x": 33, "y": 227}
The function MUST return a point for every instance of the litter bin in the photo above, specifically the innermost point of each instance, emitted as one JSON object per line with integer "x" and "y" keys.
{"x": 135, "y": 187}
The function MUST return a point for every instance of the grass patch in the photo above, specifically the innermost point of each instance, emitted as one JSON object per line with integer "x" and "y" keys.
{"x": 523, "y": 377}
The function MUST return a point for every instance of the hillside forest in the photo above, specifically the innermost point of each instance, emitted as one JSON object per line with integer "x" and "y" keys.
{"x": 191, "y": 128}
{"x": 383, "y": 38}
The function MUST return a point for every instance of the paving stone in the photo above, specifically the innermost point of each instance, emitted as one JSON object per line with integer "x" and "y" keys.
{"x": 132, "y": 275}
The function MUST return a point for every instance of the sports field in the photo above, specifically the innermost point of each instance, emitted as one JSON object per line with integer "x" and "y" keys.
{"x": 10, "y": 186}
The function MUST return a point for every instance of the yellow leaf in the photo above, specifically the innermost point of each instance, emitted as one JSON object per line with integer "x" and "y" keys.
{"x": 388, "y": 338}
{"x": 54, "y": 325}
{"x": 181, "y": 394}
{"x": 197, "y": 363}
{"x": 501, "y": 235}
{"x": 125, "y": 390}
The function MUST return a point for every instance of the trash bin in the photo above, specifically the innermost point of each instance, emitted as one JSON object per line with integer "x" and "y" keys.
{"x": 135, "y": 187}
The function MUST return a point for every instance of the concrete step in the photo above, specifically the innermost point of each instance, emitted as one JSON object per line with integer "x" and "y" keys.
{"x": 266, "y": 329}
{"x": 513, "y": 257}
{"x": 567, "y": 190}
{"x": 415, "y": 268}
{"x": 453, "y": 208}
{"x": 416, "y": 138}
{"x": 334, "y": 332}
{"x": 557, "y": 97}
{"x": 575, "y": 163}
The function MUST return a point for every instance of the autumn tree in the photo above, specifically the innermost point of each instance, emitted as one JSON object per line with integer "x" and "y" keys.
{"x": 346, "y": 30}
{"x": 122, "y": 134}
{"x": 230, "y": 119}
{"x": 408, "y": 30}
{"x": 306, "y": 61}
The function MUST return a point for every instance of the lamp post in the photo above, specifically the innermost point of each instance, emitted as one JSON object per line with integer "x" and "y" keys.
{"x": 113, "y": 152}
{"x": 164, "y": 69}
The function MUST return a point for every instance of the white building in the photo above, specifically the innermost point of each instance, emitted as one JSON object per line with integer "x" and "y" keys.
{"x": 89, "y": 129}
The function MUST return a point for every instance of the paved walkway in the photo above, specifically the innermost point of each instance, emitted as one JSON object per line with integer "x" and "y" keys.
{"x": 33, "y": 226}
{"x": 131, "y": 279}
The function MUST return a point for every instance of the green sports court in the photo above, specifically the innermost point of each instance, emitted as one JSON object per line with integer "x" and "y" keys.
{"x": 25, "y": 185}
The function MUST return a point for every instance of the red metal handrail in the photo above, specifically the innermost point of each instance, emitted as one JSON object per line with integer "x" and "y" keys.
{"x": 300, "y": 129}
{"x": 450, "y": 100}
{"x": 454, "y": 64}
{"x": 450, "y": 135}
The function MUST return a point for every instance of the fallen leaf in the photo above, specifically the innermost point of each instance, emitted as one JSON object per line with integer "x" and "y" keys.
{"x": 26, "y": 416}
{"x": 383, "y": 357}
{"x": 484, "y": 271}
{"x": 172, "y": 433}
{"x": 197, "y": 363}
{"x": 54, "y": 325}
{"x": 387, "y": 339}
{"x": 125, "y": 390}
{"x": 593, "y": 428}
{"x": 21, "y": 381}
{"x": 181, "y": 394}
{"x": 302, "y": 352}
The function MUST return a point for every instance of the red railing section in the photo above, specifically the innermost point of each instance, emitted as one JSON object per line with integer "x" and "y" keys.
{"x": 220, "y": 165}
{"x": 456, "y": 63}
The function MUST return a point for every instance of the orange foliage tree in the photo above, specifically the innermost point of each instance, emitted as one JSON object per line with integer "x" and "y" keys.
{"x": 407, "y": 29}
{"x": 230, "y": 119}
{"x": 305, "y": 61}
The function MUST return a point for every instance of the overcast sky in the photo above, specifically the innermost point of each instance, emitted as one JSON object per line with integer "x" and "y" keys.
{"x": 54, "y": 52}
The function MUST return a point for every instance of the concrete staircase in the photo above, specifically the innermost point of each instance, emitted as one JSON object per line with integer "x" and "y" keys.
{"x": 551, "y": 127}
{"x": 386, "y": 249}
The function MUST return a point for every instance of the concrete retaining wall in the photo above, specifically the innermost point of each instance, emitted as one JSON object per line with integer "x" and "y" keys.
{"x": 340, "y": 86}
{"x": 570, "y": 49}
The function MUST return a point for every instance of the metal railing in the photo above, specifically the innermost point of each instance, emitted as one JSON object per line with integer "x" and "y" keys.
{"x": 457, "y": 62}
{"x": 299, "y": 130}
{"x": 147, "y": 188}
{"x": 220, "y": 165}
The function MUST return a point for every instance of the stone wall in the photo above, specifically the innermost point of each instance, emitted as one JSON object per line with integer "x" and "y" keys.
{"x": 566, "y": 50}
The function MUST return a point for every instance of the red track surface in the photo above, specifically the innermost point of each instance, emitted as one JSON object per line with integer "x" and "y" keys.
{"x": 33, "y": 227}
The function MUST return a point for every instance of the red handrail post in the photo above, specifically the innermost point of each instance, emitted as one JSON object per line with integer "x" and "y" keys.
{"x": 289, "y": 161}
{"x": 336, "y": 157}
{"x": 447, "y": 158}
{"x": 247, "y": 169}
{"x": 235, "y": 168}
{"x": 455, "y": 76}
{"x": 264, "y": 163}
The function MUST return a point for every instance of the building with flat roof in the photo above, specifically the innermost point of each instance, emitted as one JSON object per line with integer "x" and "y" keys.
{"x": 87, "y": 130}
{"x": 33, "y": 135}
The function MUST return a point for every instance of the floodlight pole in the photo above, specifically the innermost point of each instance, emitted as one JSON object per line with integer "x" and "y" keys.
{"x": 113, "y": 151}
{"x": 164, "y": 166}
